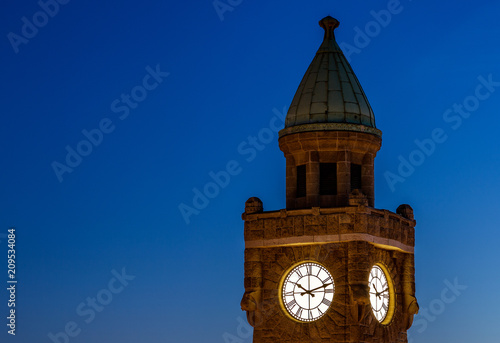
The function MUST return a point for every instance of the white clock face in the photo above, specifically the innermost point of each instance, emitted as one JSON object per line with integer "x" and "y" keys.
{"x": 380, "y": 293}
{"x": 307, "y": 291}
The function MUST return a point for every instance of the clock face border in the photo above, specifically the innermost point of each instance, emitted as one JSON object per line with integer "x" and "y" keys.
{"x": 392, "y": 294}
{"x": 285, "y": 277}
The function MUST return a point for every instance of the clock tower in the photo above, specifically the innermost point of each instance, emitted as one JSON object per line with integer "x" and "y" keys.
{"x": 330, "y": 267}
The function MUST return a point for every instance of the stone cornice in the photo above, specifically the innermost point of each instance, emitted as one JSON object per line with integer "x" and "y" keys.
{"x": 330, "y": 127}
{"x": 283, "y": 213}
{"x": 382, "y": 228}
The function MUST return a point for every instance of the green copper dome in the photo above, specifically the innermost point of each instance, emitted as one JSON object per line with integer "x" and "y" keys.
{"x": 330, "y": 97}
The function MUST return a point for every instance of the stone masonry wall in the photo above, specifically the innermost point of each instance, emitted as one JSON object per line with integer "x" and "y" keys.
{"x": 349, "y": 262}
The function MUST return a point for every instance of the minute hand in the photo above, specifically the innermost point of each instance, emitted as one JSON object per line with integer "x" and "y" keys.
{"x": 325, "y": 285}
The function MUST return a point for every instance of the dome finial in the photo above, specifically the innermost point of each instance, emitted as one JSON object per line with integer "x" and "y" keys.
{"x": 329, "y": 24}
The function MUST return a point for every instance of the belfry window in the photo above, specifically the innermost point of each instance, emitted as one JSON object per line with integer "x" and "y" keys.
{"x": 355, "y": 176}
{"x": 328, "y": 179}
{"x": 301, "y": 181}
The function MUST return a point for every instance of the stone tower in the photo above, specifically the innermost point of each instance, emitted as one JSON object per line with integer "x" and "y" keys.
{"x": 330, "y": 267}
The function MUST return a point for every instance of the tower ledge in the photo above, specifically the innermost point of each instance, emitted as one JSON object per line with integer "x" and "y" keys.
{"x": 316, "y": 225}
{"x": 330, "y": 127}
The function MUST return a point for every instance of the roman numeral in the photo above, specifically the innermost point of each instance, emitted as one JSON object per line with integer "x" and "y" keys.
{"x": 329, "y": 290}
{"x": 384, "y": 306}
{"x": 326, "y": 280}
{"x": 299, "y": 312}
{"x": 309, "y": 269}
{"x": 298, "y": 273}
{"x": 291, "y": 304}
{"x": 385, "y": 295}
{"x": 289, "y": 294}
{"x": 326, "y": 302}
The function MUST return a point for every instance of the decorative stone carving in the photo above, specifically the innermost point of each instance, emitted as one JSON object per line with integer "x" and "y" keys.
{"x": 250, "y": 303}
{"x": 405, "y": 211}
{"x": 254, "y": 205}
{"x": 357, "y": 198}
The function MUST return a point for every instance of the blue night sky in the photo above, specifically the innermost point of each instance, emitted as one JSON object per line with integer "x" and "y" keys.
{"x": 170, "y": 94}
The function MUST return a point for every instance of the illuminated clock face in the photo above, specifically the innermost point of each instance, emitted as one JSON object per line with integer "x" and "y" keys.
{"x": 307, "y": 291}
{"x": 380, "y": 294}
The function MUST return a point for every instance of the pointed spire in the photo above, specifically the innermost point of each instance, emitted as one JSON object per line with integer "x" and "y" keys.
{"x": 330, "y": 97}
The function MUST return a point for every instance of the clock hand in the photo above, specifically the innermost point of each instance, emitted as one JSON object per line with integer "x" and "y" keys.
{"x": 324, "y": 286}
{"x": 306, "y": 291}
{"x": 300, "y": 286}
{"x": 377, "y": 293}
{"x": 380, "y": 293}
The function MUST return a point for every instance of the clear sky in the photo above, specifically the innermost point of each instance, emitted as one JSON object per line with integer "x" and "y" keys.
{"x": 115, "y": 113}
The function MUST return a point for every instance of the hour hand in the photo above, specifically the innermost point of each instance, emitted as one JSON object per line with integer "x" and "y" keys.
{"x": 306, "y": 291}
{"x": 300, "y": 286}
